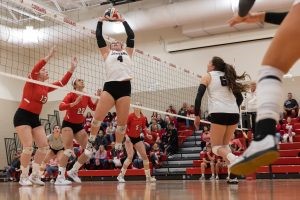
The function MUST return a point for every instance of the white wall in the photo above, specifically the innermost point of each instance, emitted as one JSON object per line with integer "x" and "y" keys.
{"x": 244, "y": 56}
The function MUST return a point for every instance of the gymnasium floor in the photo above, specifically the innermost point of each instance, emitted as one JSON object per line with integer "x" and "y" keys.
{"x": 162, "y": 190}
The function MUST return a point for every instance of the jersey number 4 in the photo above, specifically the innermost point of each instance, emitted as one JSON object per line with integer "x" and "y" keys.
{"x": 120, "y": 58}
{"x": 224, "y": 81}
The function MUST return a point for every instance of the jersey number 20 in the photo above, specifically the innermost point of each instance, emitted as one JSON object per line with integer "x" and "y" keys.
{"x": 120, "y": 58}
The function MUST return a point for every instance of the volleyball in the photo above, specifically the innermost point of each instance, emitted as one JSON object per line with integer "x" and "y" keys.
{"x": 112, "y": 14}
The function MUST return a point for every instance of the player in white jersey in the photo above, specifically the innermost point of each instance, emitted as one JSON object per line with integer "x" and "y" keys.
{"x": 117, "y": 88}
{"x": 224, "y": 99}
{"x": 282, "y": 54}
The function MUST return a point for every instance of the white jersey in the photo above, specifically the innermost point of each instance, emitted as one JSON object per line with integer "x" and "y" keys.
{"x": 220, "y": 98}
{"x": 118, "y": 66}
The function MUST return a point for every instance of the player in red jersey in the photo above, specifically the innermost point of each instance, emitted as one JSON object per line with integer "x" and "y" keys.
{"x": 72, "y": 127}
{"x": 136, "y": 123}
{"x": 26, "y": 119}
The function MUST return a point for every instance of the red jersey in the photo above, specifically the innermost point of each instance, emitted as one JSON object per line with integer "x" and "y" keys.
{"x": 135, "y": 125}
{"x": 75, "y": 114}
{"x": 34, "y": 95}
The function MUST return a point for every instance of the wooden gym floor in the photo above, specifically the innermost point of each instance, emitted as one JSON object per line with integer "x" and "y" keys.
{"x": 161, "y": 190}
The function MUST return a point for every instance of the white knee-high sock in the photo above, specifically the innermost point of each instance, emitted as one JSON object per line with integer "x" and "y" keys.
{"x": 269, "y": 101}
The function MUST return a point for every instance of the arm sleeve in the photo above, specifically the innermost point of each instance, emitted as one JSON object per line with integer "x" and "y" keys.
{"x": 239, "y": 98}
{"x": 36, "y": 69}
{"x": 130, "y": 35}
{"x": 275, "y": 18}
{"x": 100, "y": 40}
{"x": 62, "y": 82}
{"x": 245, "y": 6}
{"x": 200, "y": 93}
{"x": 66, "y": 103}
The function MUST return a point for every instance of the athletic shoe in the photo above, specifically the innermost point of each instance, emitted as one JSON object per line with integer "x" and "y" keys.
{"x": 121, "y": 178}
{"x": 150, "y": 179}
{"x": 61, "y": 180}
{"x": 212, "y": 178}
{"x": 217, "y": 178}
{"x": 74, "y": 175}
{"x": 36, "y": 179}
{"x": 259, "y": 153}
{"x": 24, "y": 181}
{"x": 233, "y": 181}
{"x": 202, "y": 178}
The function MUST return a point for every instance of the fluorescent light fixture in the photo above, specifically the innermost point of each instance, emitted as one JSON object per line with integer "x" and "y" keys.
{"x": 30, "y": 36}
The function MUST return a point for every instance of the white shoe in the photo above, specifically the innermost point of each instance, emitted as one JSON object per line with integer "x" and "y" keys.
{"x": 150, "y": 179}
{"x": 217, "y": 178}
{"x": 60, "y": 180}
{"x": 202, "y": 178}
{"x": 233, "y": 181}
{"x": 52, "y": 181}
{"x": 121, "y": 179}
{"x": 24, "y": 181}
{"x": 212, "y": 178}
{"x": 36, "y": 179}
{"x": 74, "y": 175}
{"x": 259, "y": 153}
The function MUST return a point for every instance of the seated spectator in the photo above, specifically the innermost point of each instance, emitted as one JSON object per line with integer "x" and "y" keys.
{"x": 291, "y": 107}
{"x": 151, "y": 138}
{"x": 172, "y": 146}
{"x": 191, "y": 113}
{"x": 52, "y": 169}
{"x": 154, "y": 115}
{"x": 155, "y": 156}
{"x": 208, "y": 161}
{"x": 160, "y": 121}
{"x": 288, "y": 132}
{"x": 219, "y": 165}
{"x": 108, "y": 118}
{"x": 183, "y": 112}
{"x": 205, "y": 138}
{"x": 101, "y": 158}
{"x": 14, "y": 166}
{"x": 116, "y": 156}
{"x": 88, "y": 121}
{"x": 110, "y": 132}
{"x": 236, "y": 145}
{"x": 154, "y": 123}
{"x": 100, "y": 140}
{"x": 171, "y": 110}
{"x": 137, "y": 161}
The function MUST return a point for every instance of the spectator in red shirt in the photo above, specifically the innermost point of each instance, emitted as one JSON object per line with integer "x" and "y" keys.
{"x": 205, "y": 137}
{"x": 88, "y": 121}
{"x": 26, "y": 119}
{"x": 208, "y": 161}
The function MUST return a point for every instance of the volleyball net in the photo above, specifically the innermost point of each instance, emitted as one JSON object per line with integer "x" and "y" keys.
{"x": 28, "y": 30}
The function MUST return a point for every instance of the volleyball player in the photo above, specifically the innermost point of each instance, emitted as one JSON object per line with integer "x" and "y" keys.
{"x": 26, "y": 119}
{"x": 136, "y": 124}
{"x": 283, "y": 52}
{"x": 224, "y": 99}
{"x": 55, "y": 143}
{"x": 117, "y": 88}
{"x": 72, "y": 128}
